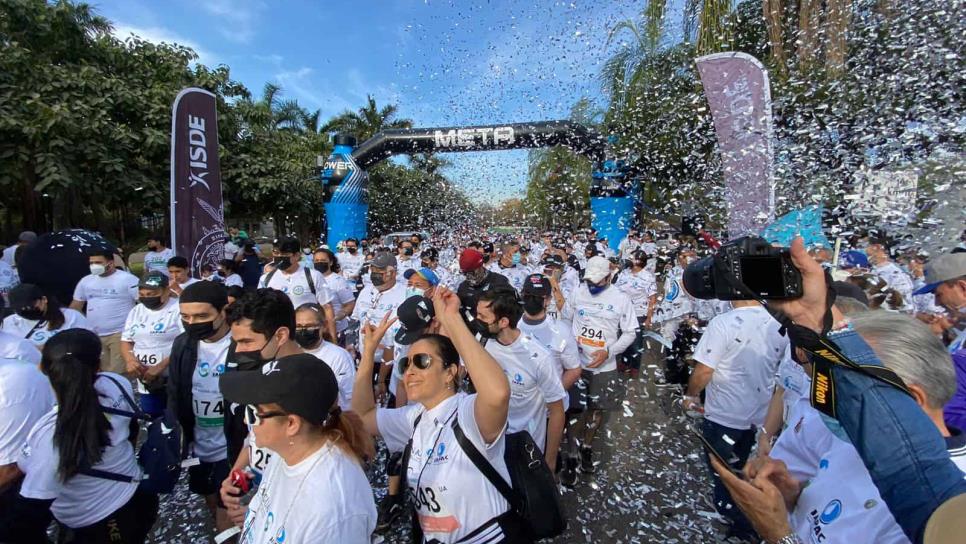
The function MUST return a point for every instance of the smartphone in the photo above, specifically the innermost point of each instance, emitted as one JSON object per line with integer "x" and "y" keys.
{"x": 714, "y": 453}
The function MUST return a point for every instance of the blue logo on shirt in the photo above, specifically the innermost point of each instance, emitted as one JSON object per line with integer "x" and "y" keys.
{"x": 159, "y": 327}
{"x": 832, "y": 512}
{"x": 823, "y": 464}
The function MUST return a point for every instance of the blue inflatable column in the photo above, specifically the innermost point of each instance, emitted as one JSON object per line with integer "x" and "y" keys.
{"x": 612, "y": 204}
{"x": 346, "y": 194}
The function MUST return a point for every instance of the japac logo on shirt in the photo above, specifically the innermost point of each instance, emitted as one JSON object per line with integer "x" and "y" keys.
{"x": 158, "y": 328}
{"x": 298, "y": 290}
{"x": 831, "y": 512}
{"x": 204, "y": 369}
{"x": 518, "y": 379}
{"x": 279, "y": 537}
{"x": 440, "y": 454}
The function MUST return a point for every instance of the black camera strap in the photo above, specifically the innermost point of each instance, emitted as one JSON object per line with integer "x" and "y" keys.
{"x": 823, "y": 353}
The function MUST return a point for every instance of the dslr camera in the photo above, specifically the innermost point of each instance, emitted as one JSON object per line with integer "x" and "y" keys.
{"x": 750, "y": 261}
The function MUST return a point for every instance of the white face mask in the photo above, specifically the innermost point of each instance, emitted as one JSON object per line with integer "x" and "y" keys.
{"x": 98, "y": 269}
{"x": 414, "y": 292}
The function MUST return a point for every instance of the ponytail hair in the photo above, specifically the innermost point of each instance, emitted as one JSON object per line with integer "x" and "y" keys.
{"x": 346, "y": 430}
{"x": 54, "y": 315}
{"x": 71, "y": 361}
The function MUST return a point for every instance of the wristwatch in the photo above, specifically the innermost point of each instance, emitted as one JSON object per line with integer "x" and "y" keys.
{"x": 790, "y": 539}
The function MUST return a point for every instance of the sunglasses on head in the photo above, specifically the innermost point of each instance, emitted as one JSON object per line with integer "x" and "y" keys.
{"x": 421, "y": 361}
{"x": 253, "y": 417}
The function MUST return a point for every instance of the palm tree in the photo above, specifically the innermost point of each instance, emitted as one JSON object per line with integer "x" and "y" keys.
{"x": 367, "y": 121}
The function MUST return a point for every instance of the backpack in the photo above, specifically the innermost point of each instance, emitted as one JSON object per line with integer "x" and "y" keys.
{"x": 308, "y": 278}
{"x": 532, "y": 492}
{"x": 160, "y": 454}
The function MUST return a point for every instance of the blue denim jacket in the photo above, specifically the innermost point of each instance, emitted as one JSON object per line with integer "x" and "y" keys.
{"x": 904, "y": 452}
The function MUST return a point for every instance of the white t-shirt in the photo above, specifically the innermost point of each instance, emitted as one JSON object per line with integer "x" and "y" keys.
{"x": 677, "y": 302}
{"x": 342, "y": 293}
{"x": 452, "y": 497}
{"x": 342, "y": 365}
{"x": 743, "y": 347}
{"x": 109, "y": 299}
{"x": 515, "y": 274}
{"x": 341, "y": 508}
{"x": 534, "y": 383}
{"x": 83, "y": 500}
{"x": 25, "y": 396}
{"x": 157, "y": 261}
{"x": 640, "y": 286}
{"x": 8, "y": 255}
{"x": 15, "y": 347}
{"x": 8, "y": 279}
{"x": 296, "y": 286}
{"x": 403, "y": 264}
{"x": 152, "y": 332}
{"x": 559, "y": 342}
{"x": 234, "y": 280}
{"x": 598, "y": 322}
{"x": 208, "y": 404}
{"x": 794, "y": 381}
{"x": 231, "y": 249}
{"x": 896, "y": 279}
{"x": 373, "y": 304}
{"x": 351, "y": 264}
{"x": 18, "y": 326}
{"x": 839, "y": 502}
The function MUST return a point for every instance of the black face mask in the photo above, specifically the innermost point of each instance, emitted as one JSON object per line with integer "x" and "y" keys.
{"x": 533, "y": 305}
{"x": 426, "y": 264}
{"x": 308, "y": 338}
{"x": 377, "y": 279}
{"x": 407, "y": 251}
{"x": 151, "y": 303}
{"x": 353, "y": 250}
{"x": 31, "y": 314}
{"x": 199, "y": 331}
{"x": 483, "y": 329}
{"x": 322, "y": 267}
{"x": 250, "y": 360}
{"x": 282, "y": 263}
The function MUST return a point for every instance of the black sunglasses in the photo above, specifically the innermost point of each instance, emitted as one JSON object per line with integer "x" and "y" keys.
{"x": 253, "y": 417}
{"x": 421, "y": 361}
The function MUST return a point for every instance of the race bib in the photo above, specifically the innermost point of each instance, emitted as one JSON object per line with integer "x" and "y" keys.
{"x": 149, "y": 357}
{"x": 434, "y": 517}
{"x": 591, "y": 338}
{"x": 209, "y": 411}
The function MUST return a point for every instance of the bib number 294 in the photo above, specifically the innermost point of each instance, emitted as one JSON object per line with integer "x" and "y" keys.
{"x": 592, "y": 337}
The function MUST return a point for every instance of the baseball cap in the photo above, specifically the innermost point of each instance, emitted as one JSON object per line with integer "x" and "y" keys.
{"x": 384, "y": 260}
{"x": 154, "y": 280}
{"x": 488, "y": 247}
{"x": 414, "y": 315}
{"x": 24, "y": 296}
{"x": 941, "y": 269}
{"x": 536, "y": 284}
{"x": 28, "y": 236}
{"x": 552, "y": 260}
{"x": 301, "y": 384}
{"x": 430, "y": 253}
{"x": 288, "y": 245}
{"x": 851, "y": 290}
{"x": 853, "y": 259}
{"x": 470, "y": 260}
{"x": 424, "y": 273}
{"x": 598, "y": 268}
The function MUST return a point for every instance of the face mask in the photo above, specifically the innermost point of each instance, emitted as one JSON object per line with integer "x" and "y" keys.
{"x": 322, "y": 267}
{"x": 426, "y": 264}
{"x": 307, "y": 338}
{"x": 249, "y": 360}
{"x": 153, "y": 247}
{"x": 151, "y": 303}
{"x": 31, "y": 314}
{"x": 486, "y": 258}
{"x": 533, "y": 305}
{"x": 596, "y": 289}
{"x": 282, "y": 262}
{"x": 483, "y": 329}
{"x": 407, "y": 251}
{"x": 515, "y": 259}
{"x": 414, "y": 292}
{"x": 476, "y": 277}
{"x": 98, "y": 269}
{"x": 353, "y": 250}
{"x": 199, "y": 331}
{"x": 377, "y": 279}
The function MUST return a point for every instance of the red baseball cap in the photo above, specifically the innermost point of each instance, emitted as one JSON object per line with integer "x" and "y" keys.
{"x": 470, "y": 260}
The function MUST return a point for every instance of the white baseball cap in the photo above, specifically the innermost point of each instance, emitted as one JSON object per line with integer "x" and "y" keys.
{"x": 598, "y": 268}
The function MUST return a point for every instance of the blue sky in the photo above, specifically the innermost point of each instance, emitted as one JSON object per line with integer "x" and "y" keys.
{"x": 443, "y": 63}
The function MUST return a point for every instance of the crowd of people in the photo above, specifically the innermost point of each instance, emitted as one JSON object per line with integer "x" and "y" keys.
{"x": 285, "y": 373}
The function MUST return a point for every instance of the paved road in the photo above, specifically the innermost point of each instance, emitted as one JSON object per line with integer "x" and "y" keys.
{"x": 651, "y": 484}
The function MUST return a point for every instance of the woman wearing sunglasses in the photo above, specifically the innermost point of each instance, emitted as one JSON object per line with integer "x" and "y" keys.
{"x": 454, "y": 501}
{"x": 314, "y": 489}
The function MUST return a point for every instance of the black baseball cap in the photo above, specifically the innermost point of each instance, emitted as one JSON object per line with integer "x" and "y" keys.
{"x": 414, "y": 315}
{"x": 24, "y": 296}
{"x": 288, "y": 244}
{"x": 301, "y": 384}
{"x": 488, "y": 247}
{"x": 154, "y": 280}
{"x": 430, "y": 253}
{"x": 536, "y": 284}
{"x": 553, "y": 260}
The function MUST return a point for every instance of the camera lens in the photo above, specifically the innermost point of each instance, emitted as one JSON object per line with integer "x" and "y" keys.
{"x": 699, "y": 280}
